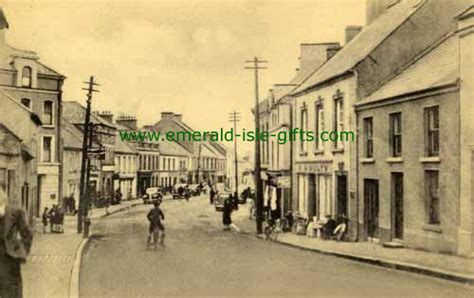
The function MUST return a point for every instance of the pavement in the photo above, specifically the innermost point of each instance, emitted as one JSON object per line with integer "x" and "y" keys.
{"x": 48, "y": 270}
{"x": 200, "y": 259}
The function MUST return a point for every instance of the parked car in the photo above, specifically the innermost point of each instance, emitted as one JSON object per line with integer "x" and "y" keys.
{"x": 219, "y": 200}
{"x": 152, "y": 195}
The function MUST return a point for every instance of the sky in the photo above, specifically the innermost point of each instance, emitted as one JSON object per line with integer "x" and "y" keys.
{"x": 182, "y": 56}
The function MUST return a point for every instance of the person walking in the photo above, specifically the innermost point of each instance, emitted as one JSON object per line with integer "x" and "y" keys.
{"x": 45, "y": 218}
{"x": 212, "y": 194}
{"x": 156, "y": 217}
{"x": 227, "y": 216}
{"x": 13, "y": 251}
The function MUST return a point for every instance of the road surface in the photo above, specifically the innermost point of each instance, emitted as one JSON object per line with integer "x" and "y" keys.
{"x": 202, "y": 260}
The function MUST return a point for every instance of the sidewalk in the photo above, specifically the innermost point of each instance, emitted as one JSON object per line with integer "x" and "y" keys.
{"x": 48, "y": 270}
{"x": 444, "y": 266}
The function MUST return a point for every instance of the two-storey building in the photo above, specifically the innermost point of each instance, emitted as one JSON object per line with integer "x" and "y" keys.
{"x": 416, "y": 150}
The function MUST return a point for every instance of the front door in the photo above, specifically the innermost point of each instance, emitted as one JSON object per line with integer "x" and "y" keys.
{"x": 341, "y": 195}
{"x": 312, "y": 196}
{"x": 371, "y": 204}
{"x": 397, "y": 205}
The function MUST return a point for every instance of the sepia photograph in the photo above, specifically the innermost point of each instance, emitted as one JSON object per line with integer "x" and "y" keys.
{"x": 236, "y": 148}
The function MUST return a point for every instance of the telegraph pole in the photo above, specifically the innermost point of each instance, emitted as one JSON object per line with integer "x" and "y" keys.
{"x": 256, "y": 65}
{"x": 82, "y": 185}
{"x": 235, "y": 117}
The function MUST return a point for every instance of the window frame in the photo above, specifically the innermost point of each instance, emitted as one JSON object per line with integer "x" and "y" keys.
{"x": 52, "y": 113}
{"x": 303, "y": 127}
{"x": 52, "y": 152}
{"x": 318, "y": 124}
{"x": 394, "y": 136}
{"x": 431, "y": 133}
{"x": 368, "y": 138}
{"x": 30, "y": 77}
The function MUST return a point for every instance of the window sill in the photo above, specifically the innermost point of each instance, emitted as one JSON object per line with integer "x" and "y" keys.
{"x": 432, "y": 228}
{"x": 338, "y": 150}
{"x": 318, "y": 152}
{"x": 47, "y": 126}
{"x": 394, "y": 159}
{"x": 430, "y": 159}
{"x": 367, "y": 160}
{"x": 304, "y": 154}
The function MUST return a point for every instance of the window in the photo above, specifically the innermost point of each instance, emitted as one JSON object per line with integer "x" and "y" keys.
{"x": 319, "y": 125}
{"x": 431, "y": 116}
{"x": 432, "y": 196}
{"x": 48, "y": 112}
{"x": 338, "y": 116}
{"x": 303, "y": 126}
{"x": 174, "y": 164}
{"x": 396, "y": 134}
{"x": 26, "y": 102}
{"x": 368, "y": 134}
{"x": 47, "y": 149}
{"x": 26, "y": 77}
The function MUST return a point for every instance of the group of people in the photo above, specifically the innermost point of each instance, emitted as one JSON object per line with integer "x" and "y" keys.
{"x": 55, "y": 218}
{"x": 330, "y": 228}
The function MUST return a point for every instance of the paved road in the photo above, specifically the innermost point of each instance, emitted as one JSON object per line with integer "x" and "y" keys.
{"x": 202, "y": 260}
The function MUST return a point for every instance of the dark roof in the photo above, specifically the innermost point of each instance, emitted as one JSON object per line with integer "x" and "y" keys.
{"x": 362, "y": 45}
{"x": 72, "y": 135}
{"x": 75, "y": 113}
{"x": 123, "y": 146}
{"x": 3, "y": 20}
{"x": 172, "y": 149}
{"x": 437, "y": 67}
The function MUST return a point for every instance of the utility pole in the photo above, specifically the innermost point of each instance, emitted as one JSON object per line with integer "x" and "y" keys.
{"x": 235, "y": 117}
{"x": 82, "y": 185}
{"x": 256, "y": 65}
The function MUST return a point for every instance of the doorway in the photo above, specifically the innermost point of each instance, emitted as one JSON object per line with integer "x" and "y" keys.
{"x": 397, "y": 205}
{"x": 341, "y": 194}
{"x": 371, "y": 204}
{"x": 312, "y": 200}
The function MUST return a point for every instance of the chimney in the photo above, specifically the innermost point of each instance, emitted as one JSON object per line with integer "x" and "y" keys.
{"x": 330, "y": 52}
{"x": 167, "y": 115}
{"x": 106, "y": 115}
{"x": 3, "y": 27}
{"x": 178, "y": 117}
{"x": 351, "y": 32}
{"x": 374, "y": 8}
{"x": 313, "y": 55}
{"x": 128, "y": 121}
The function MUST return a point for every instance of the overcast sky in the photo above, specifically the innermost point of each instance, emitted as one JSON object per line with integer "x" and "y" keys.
{"x": 181, "y": 56}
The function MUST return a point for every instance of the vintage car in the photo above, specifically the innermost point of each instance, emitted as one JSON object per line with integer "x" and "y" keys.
{"x": 152, "y": 195}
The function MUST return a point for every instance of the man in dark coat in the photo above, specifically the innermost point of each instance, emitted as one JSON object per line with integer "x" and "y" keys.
{"x": 13, "y": 251}
{"x": 226, "y": 214}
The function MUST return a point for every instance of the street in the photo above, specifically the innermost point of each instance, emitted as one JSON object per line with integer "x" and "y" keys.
{"x": 202, "y": 260}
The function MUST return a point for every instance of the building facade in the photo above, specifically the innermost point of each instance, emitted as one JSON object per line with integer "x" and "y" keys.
{"x": 38, "y": 88}
{"x": 415, "y": 168}
{"x": 324, "y": 102}
{"x": 18, "y": 153}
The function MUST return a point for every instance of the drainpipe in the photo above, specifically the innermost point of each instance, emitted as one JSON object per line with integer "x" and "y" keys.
{"x": 357, "y": 160}
{"x": 59, "y": 145}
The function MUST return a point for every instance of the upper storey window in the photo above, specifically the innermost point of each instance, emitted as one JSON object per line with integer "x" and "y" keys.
{"x": 26, "y": 77}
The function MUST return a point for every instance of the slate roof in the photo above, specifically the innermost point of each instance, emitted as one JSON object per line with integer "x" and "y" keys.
{"x": 75, "y": 113}
{"x": 172, "y": 149}
{"x": 72, "y": 135}
{"x": 437, "y": 67}
{"x": 3, "y": 20}
{"x": 362, "y": 45}
{"x": 123, "y": 146}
